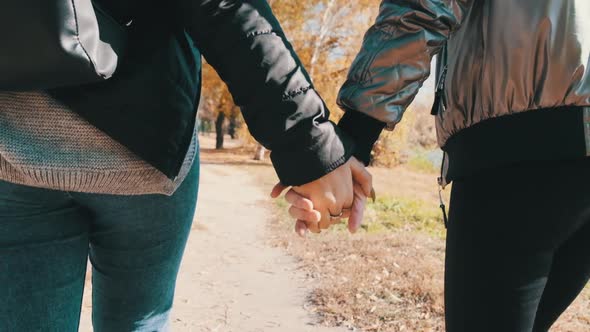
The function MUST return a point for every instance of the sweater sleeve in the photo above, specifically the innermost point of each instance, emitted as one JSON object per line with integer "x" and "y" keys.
{"x": 245, "y": 44}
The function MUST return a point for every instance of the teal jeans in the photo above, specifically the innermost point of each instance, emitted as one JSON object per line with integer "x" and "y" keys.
{"x": 135, "y": 245}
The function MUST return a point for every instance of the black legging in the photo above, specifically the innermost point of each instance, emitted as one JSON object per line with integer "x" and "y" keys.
{"x": 518, "y": 246}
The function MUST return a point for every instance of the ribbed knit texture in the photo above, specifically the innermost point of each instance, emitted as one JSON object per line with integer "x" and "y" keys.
{"x": 43, "y": 144}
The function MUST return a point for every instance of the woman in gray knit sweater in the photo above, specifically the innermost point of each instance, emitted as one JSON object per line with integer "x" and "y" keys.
{"x": 116, "y": 179}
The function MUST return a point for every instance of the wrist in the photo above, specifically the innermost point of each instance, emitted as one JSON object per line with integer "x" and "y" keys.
{"x": 364, "y": 130}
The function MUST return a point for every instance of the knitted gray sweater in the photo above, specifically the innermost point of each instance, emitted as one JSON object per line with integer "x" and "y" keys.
{"x": 43, "y": 144}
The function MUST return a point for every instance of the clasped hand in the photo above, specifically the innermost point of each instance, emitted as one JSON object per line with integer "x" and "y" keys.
{"x": 340, "y": 194}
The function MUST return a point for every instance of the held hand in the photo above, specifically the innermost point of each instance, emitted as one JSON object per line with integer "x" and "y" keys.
{"x": 322, "y": 203}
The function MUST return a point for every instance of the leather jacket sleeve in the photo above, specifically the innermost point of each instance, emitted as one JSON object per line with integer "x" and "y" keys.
{"x": 393, "y": 63}
{"x": 245, "y": 44}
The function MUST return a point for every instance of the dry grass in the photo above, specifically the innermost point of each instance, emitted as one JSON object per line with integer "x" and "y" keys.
{"x": 373, "y": 282}
{"x": 577, "y": 317}
{"x": 385, "y": 282}
{"x": 389, "y": 276}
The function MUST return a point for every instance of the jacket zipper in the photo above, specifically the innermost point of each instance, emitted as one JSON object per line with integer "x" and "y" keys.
{"x": 441, "y": 187}
{"x": 439, "y": 106}
{"x": 440, "y": 103}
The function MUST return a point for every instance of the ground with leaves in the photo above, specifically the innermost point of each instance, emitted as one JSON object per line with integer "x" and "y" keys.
{"x": 389, "y": 276}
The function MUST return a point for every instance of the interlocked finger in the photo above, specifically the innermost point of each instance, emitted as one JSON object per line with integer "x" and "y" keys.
{"x": 313, "y": 227}
{"x": 305, "y": 215}
{"x": 358, "y": 209}
{"x": 336, "y": 219}
{"x": 298, "y": 201}
{"x": 324, "y": 225}
{"x": 346, "y": 213}
{"x": 300, "y": 228}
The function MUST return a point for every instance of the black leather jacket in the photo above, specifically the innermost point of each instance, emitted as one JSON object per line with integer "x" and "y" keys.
{"x": 150, "y": 104}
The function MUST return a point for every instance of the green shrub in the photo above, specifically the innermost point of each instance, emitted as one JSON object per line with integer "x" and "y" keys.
{"x": 389, "y": 213}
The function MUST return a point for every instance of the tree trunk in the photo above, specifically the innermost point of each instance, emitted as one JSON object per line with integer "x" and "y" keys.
{"x": 325, "y": 25}
{"x": 233, "y": 124}
{"x": 219, "y": 131}
{"x": 259, "y": 154}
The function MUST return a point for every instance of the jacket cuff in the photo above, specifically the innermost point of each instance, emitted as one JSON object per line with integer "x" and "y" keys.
{"x": 364, "y": 131}
{"x": 301, "y": 165}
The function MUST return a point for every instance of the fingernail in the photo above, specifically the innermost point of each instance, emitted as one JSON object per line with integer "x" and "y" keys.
{"x": 373, "y": 195}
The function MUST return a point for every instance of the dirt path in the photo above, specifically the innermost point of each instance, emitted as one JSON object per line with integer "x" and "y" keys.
{"x": 231, "y": 280}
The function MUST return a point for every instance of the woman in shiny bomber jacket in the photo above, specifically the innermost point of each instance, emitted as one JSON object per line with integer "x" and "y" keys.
{"x": 513, "y": 118}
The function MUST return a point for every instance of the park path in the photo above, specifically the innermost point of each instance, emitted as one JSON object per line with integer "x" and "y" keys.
{"x": 231, "y": 279}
